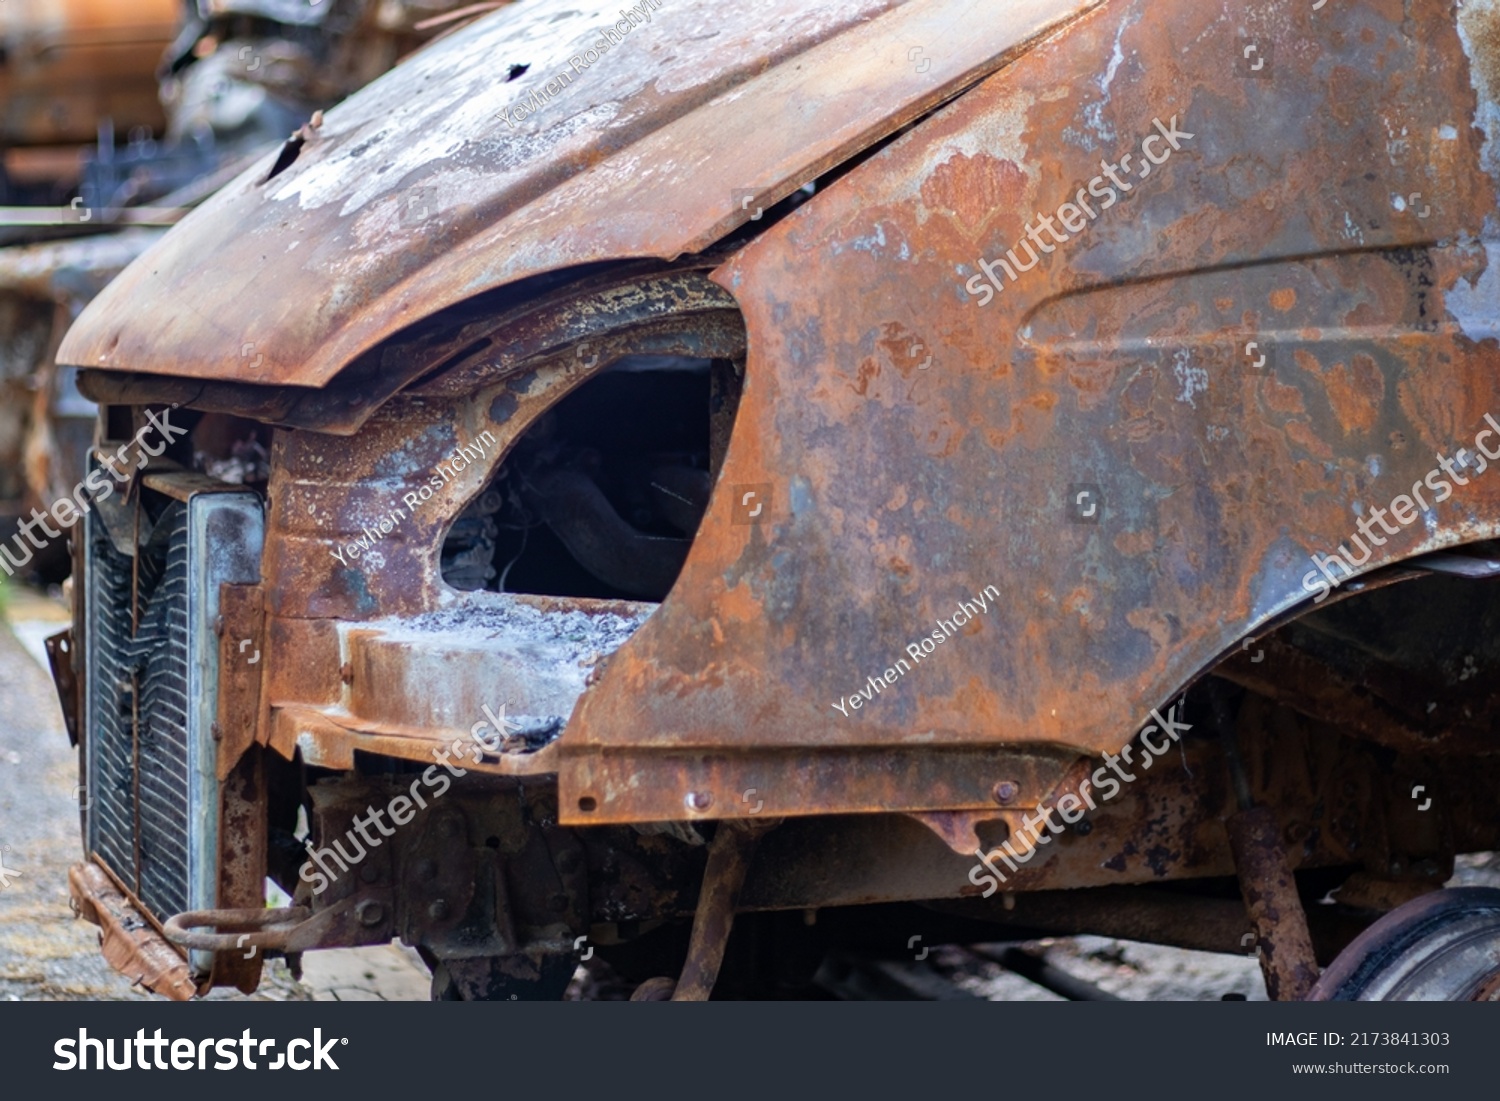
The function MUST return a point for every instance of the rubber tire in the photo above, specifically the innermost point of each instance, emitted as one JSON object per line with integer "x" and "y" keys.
{"x": 1425, "y": 950}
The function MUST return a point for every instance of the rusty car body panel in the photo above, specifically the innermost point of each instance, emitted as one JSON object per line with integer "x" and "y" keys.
{"x": 507, "y": 199}
{"x": 127, "y": 939}
{"x": 1115, "y": 364}
{"x": 1290, "y": 315}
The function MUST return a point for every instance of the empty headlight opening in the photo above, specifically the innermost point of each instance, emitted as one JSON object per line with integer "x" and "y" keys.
{"x": 603, "y": 495}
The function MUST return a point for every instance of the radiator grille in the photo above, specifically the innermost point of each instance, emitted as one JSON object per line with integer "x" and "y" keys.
{"x": 151, "y": 689}
{"x": 140, "y": 784}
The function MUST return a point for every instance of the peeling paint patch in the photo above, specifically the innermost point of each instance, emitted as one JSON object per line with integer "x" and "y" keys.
{"x": 1094, "y": 113}
{"x": 1476, "y": 307}
{"x": 1479, "y": 32}
{"x": 872, "y": 242}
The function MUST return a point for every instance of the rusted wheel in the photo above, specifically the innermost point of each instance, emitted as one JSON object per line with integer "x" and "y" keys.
{"x": 1441, "y": 947}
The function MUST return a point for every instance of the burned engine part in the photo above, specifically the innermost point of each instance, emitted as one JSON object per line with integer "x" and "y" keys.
{"x": 604, "y": 544}
{"x": 603, "y": 495}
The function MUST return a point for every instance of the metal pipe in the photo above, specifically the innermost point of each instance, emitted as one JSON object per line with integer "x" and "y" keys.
{"x": 728, "y": 860}
{"x": 1276, "y": 914}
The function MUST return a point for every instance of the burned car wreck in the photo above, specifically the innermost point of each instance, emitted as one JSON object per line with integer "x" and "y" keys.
{"x": 1030, "y": 370}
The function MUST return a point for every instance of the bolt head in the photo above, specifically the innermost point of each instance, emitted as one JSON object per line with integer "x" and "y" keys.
{"x": 698, "y": 800}
{"x": 438, "y": 909}
{"x": 370, "y": 912}
{"x": 1006, "y": 791}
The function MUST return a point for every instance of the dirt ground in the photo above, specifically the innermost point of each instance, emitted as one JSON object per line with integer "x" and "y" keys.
{"x": 48, "y": 954}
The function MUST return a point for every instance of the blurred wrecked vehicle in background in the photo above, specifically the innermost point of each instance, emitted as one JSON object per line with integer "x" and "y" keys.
{"x": 705, "y": 493}
{"x": 118, "y": 115}
{"x": 63, "y": 69}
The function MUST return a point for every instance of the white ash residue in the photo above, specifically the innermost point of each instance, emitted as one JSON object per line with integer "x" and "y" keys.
{"x": 494, "y": 661}
{"x": 576, "y": 637}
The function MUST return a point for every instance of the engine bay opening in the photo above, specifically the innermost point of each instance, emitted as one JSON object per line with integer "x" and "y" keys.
{"x": 603, "y": 495}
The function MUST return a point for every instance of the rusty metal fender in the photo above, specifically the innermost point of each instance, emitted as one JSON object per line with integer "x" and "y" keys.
{"x": 919, "y": 430}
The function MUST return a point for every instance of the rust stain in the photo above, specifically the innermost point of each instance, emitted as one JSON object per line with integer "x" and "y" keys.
{"x": 131, "y": 945}
{"x": 1356, "y": 392}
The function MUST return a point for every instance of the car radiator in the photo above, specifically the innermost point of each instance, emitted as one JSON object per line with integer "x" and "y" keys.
{"x": 151, "y": 577}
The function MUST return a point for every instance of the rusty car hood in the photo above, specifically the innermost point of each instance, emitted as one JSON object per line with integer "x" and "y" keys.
{"x": 494, "y": 155}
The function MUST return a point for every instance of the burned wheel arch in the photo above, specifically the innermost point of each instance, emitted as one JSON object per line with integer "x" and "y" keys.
{"x": 450, "y": 433}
